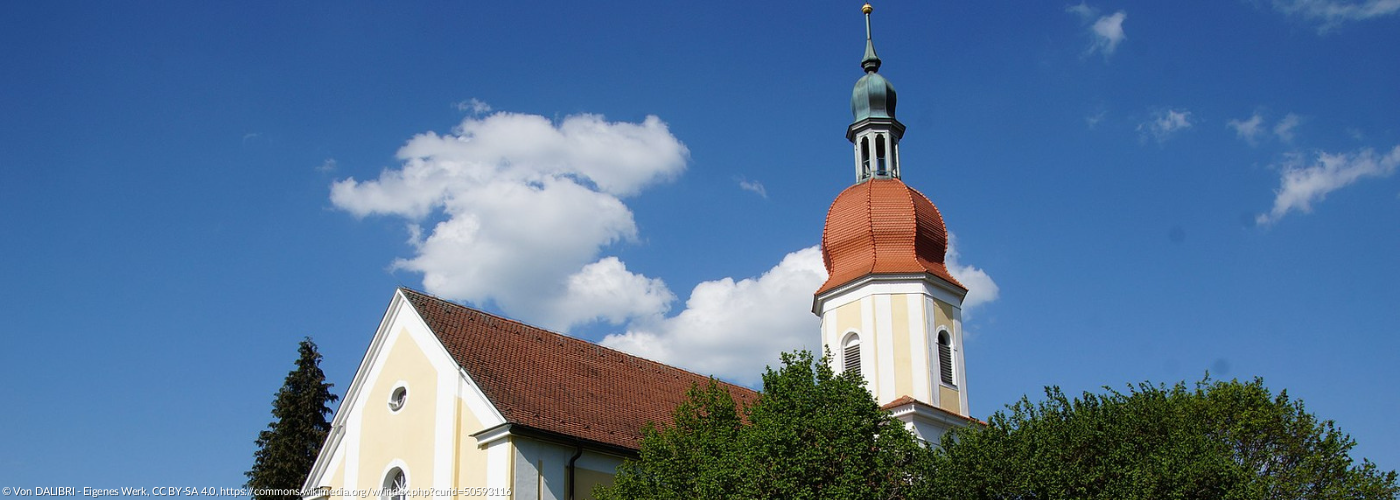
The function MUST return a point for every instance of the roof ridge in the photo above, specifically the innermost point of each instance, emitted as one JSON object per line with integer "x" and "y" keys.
{"x": 472, "y": 309}
{"x": 571, "y": 339}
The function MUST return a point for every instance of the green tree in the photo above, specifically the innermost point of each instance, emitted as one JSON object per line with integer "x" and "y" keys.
{"x": 1228, "y": 440}
{"x": 691, "y": 458}
{"x": 811, "y": 434}
{"x": 287, "y": 449}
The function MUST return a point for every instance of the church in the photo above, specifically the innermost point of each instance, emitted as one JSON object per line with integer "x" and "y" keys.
{"x": 450, "y": 401}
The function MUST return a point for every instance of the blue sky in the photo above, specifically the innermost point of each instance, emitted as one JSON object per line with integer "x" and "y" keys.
{"x": 1152, "y": 190}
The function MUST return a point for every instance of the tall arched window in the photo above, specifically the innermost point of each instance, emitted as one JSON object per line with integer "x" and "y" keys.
{"x": 851, "y": 354}
{"x": 864, "y": 157}
{"x": 880, "y": 166}
{"x": 945, "y": 358}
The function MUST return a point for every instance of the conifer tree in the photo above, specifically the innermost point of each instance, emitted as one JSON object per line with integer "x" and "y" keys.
{"x": 288, "y": 448}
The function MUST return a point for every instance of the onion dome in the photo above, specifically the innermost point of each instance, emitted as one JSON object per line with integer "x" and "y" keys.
{"x": 883, "y": 226}
{"x": 873, "y": 97}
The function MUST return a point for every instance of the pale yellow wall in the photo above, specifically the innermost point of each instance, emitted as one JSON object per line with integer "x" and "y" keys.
{"x": 848, "y": 318}
{"x": 948, "y": 399}
{"x": 903, "y": 356}
{"x": 589, "y": 479}
{"x": 471, "y": 459}
{"x": 408, "y": 434}
{"x": 945, "y": 313}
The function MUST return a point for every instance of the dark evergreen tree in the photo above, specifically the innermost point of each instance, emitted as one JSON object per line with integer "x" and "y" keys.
{"x": 288, "y": 448}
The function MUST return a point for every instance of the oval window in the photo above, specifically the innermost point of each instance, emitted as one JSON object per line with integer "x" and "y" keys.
{"x": 398, "y": 398}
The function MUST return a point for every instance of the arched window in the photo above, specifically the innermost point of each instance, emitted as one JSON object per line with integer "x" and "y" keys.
{"x": 395, "y": 485}
{"x": 945, "y": 358}
{"x": 864, "y": 157}
{"x": 894, "y": 160}
{"x": 880, "y": 168}
{"x": 851, "y": 354}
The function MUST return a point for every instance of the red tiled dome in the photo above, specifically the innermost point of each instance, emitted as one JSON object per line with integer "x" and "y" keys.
{"x": 883, "y": 226}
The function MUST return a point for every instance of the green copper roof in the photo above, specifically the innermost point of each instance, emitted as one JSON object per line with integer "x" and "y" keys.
{"x": 871, "y": 62}
{"x": 873, "y": 96}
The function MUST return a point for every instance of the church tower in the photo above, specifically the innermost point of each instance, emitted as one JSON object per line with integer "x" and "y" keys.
{"x": 890, "y": 309}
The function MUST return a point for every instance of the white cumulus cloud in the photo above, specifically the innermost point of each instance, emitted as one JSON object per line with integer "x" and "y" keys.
{"x": 514, "y": 210}
{"x": 606, "y": 290}
{"x": 733, "y": 329}
{"x": 1302, "y": 183}
{"x": 1332, "y": 13}
{"x": 1165, "y": 124}
{"x": 526, "y": 206}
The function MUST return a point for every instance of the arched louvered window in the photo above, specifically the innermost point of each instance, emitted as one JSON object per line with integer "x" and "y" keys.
{"x": 850, "y": 351}
{"x": 945, "y": 358}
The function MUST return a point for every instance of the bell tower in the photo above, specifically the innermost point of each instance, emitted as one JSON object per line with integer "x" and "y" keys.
{"x": 875, "y": 132}
{"x": 890, "y": 309}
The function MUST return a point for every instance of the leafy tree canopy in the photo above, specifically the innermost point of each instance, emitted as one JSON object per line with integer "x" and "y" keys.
{"x": 1227, "y": 440}
{"x": 810, "y": 435}
{"x": 287, "y": 449}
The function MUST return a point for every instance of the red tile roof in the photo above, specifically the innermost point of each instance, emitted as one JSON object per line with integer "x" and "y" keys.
{"x": 559, "y": 384}
{"x": 901, "y": 401}
{"x": 909, "y": 400}
{"x": 883, "y": 226}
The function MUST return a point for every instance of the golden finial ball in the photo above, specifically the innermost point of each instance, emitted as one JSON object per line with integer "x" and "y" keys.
{"x": 867, "y": 8}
